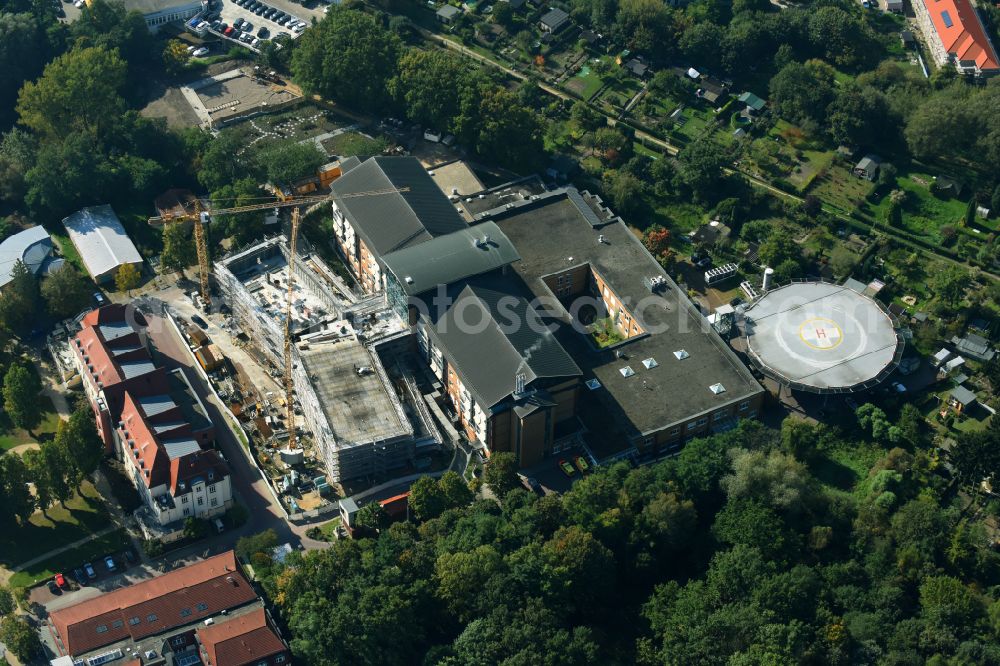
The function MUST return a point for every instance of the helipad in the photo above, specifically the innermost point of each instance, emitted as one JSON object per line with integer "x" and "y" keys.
{"x": 821, "y": 337}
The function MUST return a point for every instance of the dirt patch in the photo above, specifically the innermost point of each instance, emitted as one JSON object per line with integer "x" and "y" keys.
{"x": 171, "y": 105}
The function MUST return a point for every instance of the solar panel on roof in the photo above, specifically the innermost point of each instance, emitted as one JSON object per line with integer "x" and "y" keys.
{"x": 946, "y": 17}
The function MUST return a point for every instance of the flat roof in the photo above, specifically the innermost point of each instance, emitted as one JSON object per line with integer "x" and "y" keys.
{"x": 456, "y": 179}
{"x": 565, "y": 229}
{"x": 357, "y": 405}
{"x": 821, "y": 337}
{"x": 479, "y": 204}
{"x": 101, "y": 240}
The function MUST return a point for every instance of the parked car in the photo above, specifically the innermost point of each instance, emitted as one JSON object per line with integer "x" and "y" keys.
{"x": 298, "y": 29}
{"x": 566, "y": 468}
{"x": 581, "y": 463}
{"x": 200, "y": 53}
{"x": 898, "y": 387}
{"x": 247, "y": 26}
{"x": 89, "y": 568}
{"x": 53, "y": 588}
{"x": 99, "y": 299}
{"x": 109, "y": 562}
{"x": 263, "y": 32}
{"x": 255, "y": 42}
{"x": 60, "y": 580}
{"x": 80, "y": 576}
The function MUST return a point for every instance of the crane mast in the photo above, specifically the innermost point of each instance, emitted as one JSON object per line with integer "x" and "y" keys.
{"x": 289, "y": 386}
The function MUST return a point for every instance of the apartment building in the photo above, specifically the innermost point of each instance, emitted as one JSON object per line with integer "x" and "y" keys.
{"x": 956, "y": 36}
{"x": 203, "y": 613}
{"x": 153, "y": 420}
{"x": 366, "y": 228}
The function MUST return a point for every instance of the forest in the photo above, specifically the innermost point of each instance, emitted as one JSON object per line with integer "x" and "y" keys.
{"x": 809, "y": 545}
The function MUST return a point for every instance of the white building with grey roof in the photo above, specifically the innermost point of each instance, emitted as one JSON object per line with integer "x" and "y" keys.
{"x": 33, "y": 247}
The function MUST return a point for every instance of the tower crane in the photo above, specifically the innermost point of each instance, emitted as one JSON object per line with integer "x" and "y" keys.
{"x": 202, "y": 218}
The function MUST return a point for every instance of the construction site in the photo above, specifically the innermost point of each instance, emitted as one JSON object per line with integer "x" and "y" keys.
{"x": 238, "y": 94}
{"x": 358, "y": 413}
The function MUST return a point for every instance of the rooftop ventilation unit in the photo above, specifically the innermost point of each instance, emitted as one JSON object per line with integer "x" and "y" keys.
{"x": 627, "y": 371}
{"x": 717, "y": 389}
{"x": 601, "y": 239}
{"x": 650, "y": 363}
{"x": 681, "y": 354}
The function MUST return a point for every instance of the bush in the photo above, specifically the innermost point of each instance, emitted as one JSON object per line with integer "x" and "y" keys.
{"x": 152, "y": 547}
{"x": 236, "y": 516}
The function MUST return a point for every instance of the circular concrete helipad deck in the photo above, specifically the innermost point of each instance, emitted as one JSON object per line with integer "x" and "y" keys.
{"x": 820, "y": 337}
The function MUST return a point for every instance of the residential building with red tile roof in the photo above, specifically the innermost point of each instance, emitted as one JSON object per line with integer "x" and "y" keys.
{"x": 137, "y": 619}
{"x": 153, "y": 420}
{"x": 955, "y": 34}
{"x": 243, "y": 641}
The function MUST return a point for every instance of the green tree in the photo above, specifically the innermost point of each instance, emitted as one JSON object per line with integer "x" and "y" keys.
{"x": 7, "y": 603}
{"x": 179, "y": 249}
{"x": 17, "y": 155}
{"x": 948, "y": 602}
{"x": 78, "y": 92}
{"x": 80, "y": 443}
{"x": 699, "y": 167}
{"x": 427, "y": 86}
{"x": 779, "y": 247}
{"x": 20, "y": 397}
{"x": 860, "y": 116}
{"x": 17, "y": 501}
{"x": 195, "y": 528}
{"x": 289, "y": 161}
{"x": 454, "y": 490}
{"x": 127, "y": 277}
{"x": 262, "y": 542}
{"x": 585, "y": 117}
{"x": 949, "y": 283}
{"x": 774, "y": 478}
{"x": 461, "y": 576}
{"x": 25, "y": 47}
{"x": 20, "y": 638}
{"x": 372, "y": 516}
{"x": 175, "y": 57}
{"x": 508, "y": 132}
{"x": 219, "y": 164}
{"x": 65, "y": 292}
{"x": 242, "y": 227}
{"x": 624, "y": 190}
{"x": 39, "y": 473}
{"x": 426, "y": 499}
{"x": 501, "y": 473}
{"x": 348, "y": 57}
{"x": 19, "y": 300}
{"x": 58, "y": 468}
{"x": 801, "y": 92}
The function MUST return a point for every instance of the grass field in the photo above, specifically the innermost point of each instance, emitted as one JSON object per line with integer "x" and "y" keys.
{"x": 924, "y": 213}
{"x": 11, "y": 437}
{"x": 840, "y": 188}
{"x": 585, "y": 83}
{"x": 67, "y": 561}
{"x": 83, "y": 514}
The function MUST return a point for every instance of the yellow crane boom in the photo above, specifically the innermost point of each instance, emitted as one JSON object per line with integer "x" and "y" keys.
{"x": 202, "y": 217}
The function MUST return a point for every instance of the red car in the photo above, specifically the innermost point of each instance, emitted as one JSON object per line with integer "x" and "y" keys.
{"x": 60, "y": 580}
{"x": 228, "y": 31}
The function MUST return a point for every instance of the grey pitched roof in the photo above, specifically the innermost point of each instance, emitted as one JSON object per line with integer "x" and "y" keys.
{"x": 451, "y": 258}
{"x": 490, "y": 334}
{"x": 32, "y": 246}
{"x": 389, "y": 222}
{"x": 963, "y": 395}
{"x": 554, "y": 18}
{"x": 449, "y": 11}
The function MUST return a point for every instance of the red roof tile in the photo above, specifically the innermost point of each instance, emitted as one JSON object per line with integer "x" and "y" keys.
{"x": 246, "y": 639}
{"x": 962, "y": 33}
{"x": 215, "y": 582}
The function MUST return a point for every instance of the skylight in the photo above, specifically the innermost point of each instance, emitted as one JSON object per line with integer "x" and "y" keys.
{"x": 681, "y": 354}
{"x": 593, "y": 384}
{"x": 626, "y": 371}
{"x": 717, "y": 389}
{"x": 650, "y": 363}
{"x": 946, "y": 17}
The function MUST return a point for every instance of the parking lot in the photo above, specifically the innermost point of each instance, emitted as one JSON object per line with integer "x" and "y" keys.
{"x": 231, "y": 13}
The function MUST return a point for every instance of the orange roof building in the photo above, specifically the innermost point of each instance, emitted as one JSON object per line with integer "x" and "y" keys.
{"x": 956, "y": 35}
{"x": 150, "y": 608}
{"x": 247, "y": 639}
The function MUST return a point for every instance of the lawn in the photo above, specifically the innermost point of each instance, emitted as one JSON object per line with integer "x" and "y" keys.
{"x": 66, "y": 247}
{"x": 924, "y": 213}
{"x": 11, "y": 437}
{"x": 83, "y": 514}
{"x": 840, "y": 188}
{"x": 585, "y": 84}
{"x": 329, "y": 529}
{"x": 843, "y": 468}
{"x": 353, "y": 143}
{"x": 109, "y": 543}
